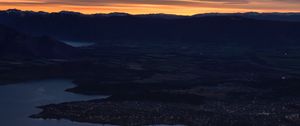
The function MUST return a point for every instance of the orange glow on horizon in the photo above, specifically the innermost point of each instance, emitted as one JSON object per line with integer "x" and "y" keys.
{"x": 187, "y": 8}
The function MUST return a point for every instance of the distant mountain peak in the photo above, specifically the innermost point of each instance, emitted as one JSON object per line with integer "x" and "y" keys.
{"x": 117, "y": 14}
{"x": 69, "y": 12}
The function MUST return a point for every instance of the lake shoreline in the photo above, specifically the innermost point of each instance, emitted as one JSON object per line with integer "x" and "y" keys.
{"x": 20, "y": 100}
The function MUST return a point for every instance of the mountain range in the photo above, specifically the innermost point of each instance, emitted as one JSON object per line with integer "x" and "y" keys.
{"x": 21, "y": 31}
{"x": 250, "y": 28}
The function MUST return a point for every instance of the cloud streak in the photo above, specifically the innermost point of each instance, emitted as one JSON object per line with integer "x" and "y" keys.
{"x": 101, "y": 2}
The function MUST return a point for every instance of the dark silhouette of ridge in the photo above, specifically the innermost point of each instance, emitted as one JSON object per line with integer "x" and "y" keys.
{"x": 276, "y": 16}
{"x": 17, "y": 45}
{"x": 247, "y": 28}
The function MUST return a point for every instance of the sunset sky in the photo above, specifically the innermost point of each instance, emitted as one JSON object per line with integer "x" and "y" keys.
{"x": 181, "y": 7}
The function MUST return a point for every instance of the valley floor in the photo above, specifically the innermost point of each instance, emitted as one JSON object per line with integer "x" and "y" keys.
{"x": 174, "y": 84}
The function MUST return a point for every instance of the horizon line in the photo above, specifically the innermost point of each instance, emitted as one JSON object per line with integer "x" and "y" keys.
{"x": 59, "y": 11}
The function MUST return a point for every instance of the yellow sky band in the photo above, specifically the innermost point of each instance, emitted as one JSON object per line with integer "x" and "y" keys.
{"x": 184, "y": 7}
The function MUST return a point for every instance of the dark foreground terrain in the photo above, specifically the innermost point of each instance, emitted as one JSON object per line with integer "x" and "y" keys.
{"x": 233, "y": 72}
{"x": 191, "y": 85}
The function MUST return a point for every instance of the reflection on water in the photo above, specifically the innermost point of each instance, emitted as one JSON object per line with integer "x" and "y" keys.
{"x": 78, "y": 44}
{"x": 18, "y": 101}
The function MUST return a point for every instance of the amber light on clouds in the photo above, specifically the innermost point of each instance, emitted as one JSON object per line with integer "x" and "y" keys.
{"x": 181, "y": 7}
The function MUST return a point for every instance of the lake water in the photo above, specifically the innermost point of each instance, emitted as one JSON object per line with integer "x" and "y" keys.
{"x": 18, "y": 101}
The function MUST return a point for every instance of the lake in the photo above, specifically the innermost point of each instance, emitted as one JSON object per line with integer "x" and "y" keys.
{"x": 18, "y": 101}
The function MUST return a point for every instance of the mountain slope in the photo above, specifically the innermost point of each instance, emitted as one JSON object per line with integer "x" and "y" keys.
{"x": 14, "y": 44}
